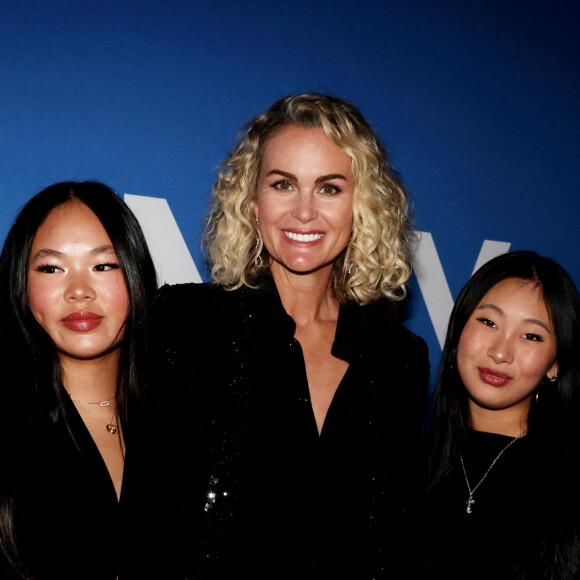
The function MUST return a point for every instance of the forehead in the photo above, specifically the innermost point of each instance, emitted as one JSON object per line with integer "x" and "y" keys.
{"x": 312, "y": 141}
{"x": 517, "y": 296}
{"x": 72, "y": 222}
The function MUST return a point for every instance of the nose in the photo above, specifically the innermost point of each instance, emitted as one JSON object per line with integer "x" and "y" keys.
{"x": 304, "y": 209}
{"x": 79, "y": 288}
{"x": 501, "y": 350}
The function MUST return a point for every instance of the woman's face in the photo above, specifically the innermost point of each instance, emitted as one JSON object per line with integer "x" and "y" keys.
{"x": 507, "y": 346}
{"x": 76, "y": 288}
{"x": 304, "y": 200}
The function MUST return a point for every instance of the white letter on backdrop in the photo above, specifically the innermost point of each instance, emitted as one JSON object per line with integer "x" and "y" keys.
{"x": 433, "y": 283}
{"x": 170, "y": 253}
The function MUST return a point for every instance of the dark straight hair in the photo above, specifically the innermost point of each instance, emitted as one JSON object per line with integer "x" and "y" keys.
{"x": 138, "y": 270}
{"x": 450, "y": 414}
{"x": 31, "y": 355}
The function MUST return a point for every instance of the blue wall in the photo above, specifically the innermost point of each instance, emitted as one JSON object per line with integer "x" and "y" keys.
{"x": 477, "y": 102}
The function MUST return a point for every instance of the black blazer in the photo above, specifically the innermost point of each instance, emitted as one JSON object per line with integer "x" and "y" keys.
{"x": 265, "y": 495}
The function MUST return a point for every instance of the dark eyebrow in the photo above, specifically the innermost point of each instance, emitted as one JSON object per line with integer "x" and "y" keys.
{"x": 49, "y": 253}
{"x": 46, "y": 253}
{"x": 527, "y": 320}
{"x": 106, "y": 249}
{"x": 330, "y": 176}
{"x": 282, "y": 173}
{"x": 320, "y": 179}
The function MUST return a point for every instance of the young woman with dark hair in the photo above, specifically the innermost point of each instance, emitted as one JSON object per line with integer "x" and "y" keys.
{"x": 76, "y": 282}
{"x": 503, "y": 434}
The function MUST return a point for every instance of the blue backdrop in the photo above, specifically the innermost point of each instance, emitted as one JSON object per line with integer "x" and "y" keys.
{"x": 477, "y": 103}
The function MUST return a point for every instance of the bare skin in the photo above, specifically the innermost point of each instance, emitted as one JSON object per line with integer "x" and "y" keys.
{"x": 308, "y": 300}
{"x": 304, "y": 204}
{"x": 95, "y": 380}
{"x": 77, "y": 292}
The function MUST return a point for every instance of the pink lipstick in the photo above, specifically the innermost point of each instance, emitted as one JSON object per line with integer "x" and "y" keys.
{"x": 492, "y": 377}
{"x": 82, "y": 321}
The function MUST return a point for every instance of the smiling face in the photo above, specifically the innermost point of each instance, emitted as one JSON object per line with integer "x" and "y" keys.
{"x": 76, "y": 289}
{"x": 304, "y": 200}
{"x": 506, "y": 348}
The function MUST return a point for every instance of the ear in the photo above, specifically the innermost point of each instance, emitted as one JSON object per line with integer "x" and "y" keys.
{"x": 552, "y": 373}
{"x": 256, "y": 211}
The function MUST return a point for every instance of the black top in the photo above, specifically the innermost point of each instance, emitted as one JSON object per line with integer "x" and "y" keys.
{"x": 522, "y": 521}
{"x": 275, "y": 498}
{"x": 68, "y": 521}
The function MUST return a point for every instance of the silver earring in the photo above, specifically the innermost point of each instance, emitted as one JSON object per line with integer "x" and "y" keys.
{"x": 537, "y": 396}
{"x": 554, "y": 378}
{"x": 258, "y": 262}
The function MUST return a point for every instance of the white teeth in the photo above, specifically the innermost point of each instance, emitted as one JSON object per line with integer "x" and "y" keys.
{"x": 303, "y": 237}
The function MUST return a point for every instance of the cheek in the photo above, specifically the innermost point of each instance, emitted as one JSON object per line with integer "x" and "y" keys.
{"x": 535, "y": 366}
{"x": 41, "y": 299}
{"x": 267, "y": 209}
{"x": 468, "y": 345}
{"x": 118, "y": 299}
{"x": 469, "y": 351}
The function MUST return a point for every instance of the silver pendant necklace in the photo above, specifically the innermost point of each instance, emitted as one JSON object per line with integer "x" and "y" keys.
{"x": 470, "y": 501}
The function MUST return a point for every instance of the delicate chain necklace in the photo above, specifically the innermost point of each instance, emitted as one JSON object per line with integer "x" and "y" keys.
{"x": 470, "y": 501}
{"x": 110, "y": 426}
{"x": 104, "y": 403}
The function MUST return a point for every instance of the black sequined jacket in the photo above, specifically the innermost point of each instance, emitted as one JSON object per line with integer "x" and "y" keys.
{"x": 252, "y": 487}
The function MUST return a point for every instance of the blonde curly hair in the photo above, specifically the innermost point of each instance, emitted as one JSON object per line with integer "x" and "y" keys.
{"x": 377, "y": 260}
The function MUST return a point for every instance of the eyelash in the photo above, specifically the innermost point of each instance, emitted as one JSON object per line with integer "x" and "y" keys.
{"x": 45, "y": 268}
{"x": 533, "y": 337}
{"x": 487, "y": 322}
{"x": 278, "y": 185}
{"x": 335, "y": 189}
{"x": 109, "y": 265}
{"x": 527, "y": 335}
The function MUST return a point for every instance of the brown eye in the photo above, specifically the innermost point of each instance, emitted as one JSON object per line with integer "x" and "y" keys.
{"x": 283, "y": 185}
{"x": 533, "y": 337}
{"x": 330, "y": 189}
{"x": 47, "y": 269}
{"x": 106, "y": 267}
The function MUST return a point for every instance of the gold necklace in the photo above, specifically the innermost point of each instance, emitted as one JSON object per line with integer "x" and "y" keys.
{"x": 109, "y": 425}
{"x": 104, "y": 403}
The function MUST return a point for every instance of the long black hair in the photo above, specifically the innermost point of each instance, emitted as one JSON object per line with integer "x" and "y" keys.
{"x": 33, "y": 361}
{"x": 136, "y": 264}
{"x": 450, "y": 413}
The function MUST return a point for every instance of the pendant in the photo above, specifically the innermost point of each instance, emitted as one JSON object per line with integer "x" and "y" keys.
{"x": 111, "y": 428}
{"x": 469, "y": 503}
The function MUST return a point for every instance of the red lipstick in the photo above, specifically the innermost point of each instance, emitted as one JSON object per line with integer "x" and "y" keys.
{"x": 82, "y": 321}
{"x": 492, "y": 377}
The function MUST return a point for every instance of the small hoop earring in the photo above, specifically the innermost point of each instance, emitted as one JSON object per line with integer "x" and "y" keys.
{"x": 554, "y": 378}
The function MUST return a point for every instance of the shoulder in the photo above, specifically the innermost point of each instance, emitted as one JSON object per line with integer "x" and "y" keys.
{"x": 386, "y": 332}
{"x": 195, "y": 300}
{"x": 193, "y": 291}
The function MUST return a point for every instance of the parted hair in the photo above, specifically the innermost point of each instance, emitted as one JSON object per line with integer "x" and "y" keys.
{"x": 552, "y": 414}
{"x": 29, "y": 349}
{"x": 377, "y": 260}
{"x": 136, "y": 265}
